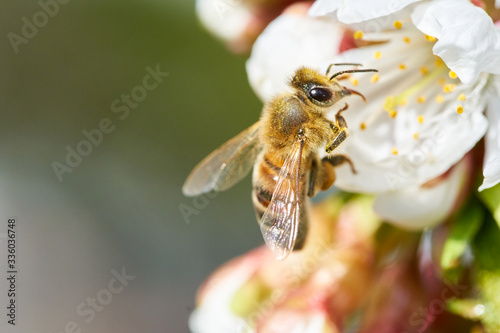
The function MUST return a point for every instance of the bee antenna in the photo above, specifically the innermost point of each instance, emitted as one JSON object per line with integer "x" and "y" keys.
{"x": 341, "y": 64}
{"x": 352, "y": 71}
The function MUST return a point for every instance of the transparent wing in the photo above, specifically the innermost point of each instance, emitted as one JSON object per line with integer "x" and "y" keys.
{"x": 225, "y": 166}
{"x": 280, "y": 222}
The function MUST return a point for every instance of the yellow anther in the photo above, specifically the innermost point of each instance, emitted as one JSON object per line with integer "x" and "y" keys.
{"x": 421, "y": 99}
{"x": 448, "y": 88}
{"x": 403, "y": 102}
{"x": 440, "y": 99}
{"x": 407, "y": 40}
{"x": 439, "y": 62}
{"x": 460, "y": 109}
{"x": 374, "y": 78}
{"x": 398, "y": 24}
{"x": 441, "y": 81}
{"x": 424, "y": 70}
{"x": 430, "y": 38}
{"x": 415, "y": 135}
{"x": 394, "y": 151}
{"x": 420, "y": 119}
{"x": 452, "y": 75}
{"x": 378, "y": 54}
{"x": 393, "y": 113}
{"x": 389, "y": 103}
{"x": 354, "y": 81}
{"x": 462, "y": 98}
{"x": 358, "y": 34}
{"x": 362, "y": 126}
{"x": 402, "y": 67}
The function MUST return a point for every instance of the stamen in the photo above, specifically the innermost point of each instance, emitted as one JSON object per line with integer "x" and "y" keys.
{"x": 460, "y": 109}
{"x": 374, "y": 78}
{"x": 415, "y": 135}
{"x": 362, "y": 126}
{"x": 358, "y": 34}
{"x": 462, "y": 98}
{"x": 430, "y": 38}
{"x": 398, "y": 25}
{"x": 420, "y": 119}
{"x": 421, "y": 99}
{"x": 448, "y": 88}
{"x": 440, "y": 99}
{"x": 354, "y": 81}
{"x": 441, "y": 81}
{"x": 394, "y": 151}
{"x": 407, "y": 40}
{"x": 439, "y": 62}
{"x": 403, "y": 102}
{"x": 378, "y": 54}
{"x": 402, "y": 67}
{"x": 452, "y": 75}
{"x": 393, "y": 113}
{"x": 424, "y": 70}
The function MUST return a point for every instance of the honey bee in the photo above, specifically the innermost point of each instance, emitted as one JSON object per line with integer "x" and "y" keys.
{"x": 283, "y": 147}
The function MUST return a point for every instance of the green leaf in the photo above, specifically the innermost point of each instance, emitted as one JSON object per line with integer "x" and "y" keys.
{"x": 463, "y": 229}
{"x": 491, "y": 198}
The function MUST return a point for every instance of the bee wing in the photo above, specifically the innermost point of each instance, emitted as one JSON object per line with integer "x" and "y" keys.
{"x": 280, "y": 222}
{"x": 225, "y": 166}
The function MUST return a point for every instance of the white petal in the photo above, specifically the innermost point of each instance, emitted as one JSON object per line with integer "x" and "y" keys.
{"x": 225, "y": 19}
{"x": 444, "y": 137}
{"x": 491, "y": 169}
{"x": 497, "y": 3}
{"x": 214, "y": 314}
{"x": 416, "y": 208}
{"x": 468, "y": 41}
{"x": 287, "y": 43}
{"x": 358, "y": 11}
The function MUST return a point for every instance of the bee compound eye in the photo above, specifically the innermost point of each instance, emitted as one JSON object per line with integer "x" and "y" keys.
{"x": 320, "y": 94}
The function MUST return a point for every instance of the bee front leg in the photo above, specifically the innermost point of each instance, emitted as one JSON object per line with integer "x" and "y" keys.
{"x": 340, "y": 130}
{"x": 337, "y": 160}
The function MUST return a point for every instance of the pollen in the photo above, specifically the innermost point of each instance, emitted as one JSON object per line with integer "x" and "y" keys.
{"x": 378, "y": 54}
{"x": 441, "y": 81}
{"x": 394, "y": 151}
{"x": 415, "y": 135}
{"x": 421, "y": 99}
{"x": 375, "y": 78}
{"x": 430, "y": 38}
{"x": 402, "y": 67}
{"x": 440, "y": 99}
{"x": 460, "y": 109}
{"x": 393, "y": 113}
{"x": 354, "y": 81}
{"x": 358, "y": 34}
{"x": 448, "y": 88}
{"x": 439, "y": 62}
{"x": 407, "y": 40}
{"x": 420, "y": 119}
{"x": 424, "y": 70}
{"x": 398, "y": 25}
{"x": 452, "y": 75}
{"x": 362, "y": 126}
{"x": 462, "y": 98}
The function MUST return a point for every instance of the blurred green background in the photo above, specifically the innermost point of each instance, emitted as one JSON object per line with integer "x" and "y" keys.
{"x": 119, "y": 208}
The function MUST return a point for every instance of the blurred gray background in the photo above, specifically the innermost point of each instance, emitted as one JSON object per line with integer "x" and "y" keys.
{"x": 119, "y": 207}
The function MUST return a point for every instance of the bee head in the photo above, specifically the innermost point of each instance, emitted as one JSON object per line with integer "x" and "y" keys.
{"x": 318, "y": 88}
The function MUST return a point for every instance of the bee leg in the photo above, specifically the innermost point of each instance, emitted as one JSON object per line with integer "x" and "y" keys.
{"x": 313, "y": 176}
{"x": 337, "y": 160}
{"x": 340, "y": 130}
